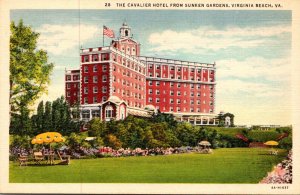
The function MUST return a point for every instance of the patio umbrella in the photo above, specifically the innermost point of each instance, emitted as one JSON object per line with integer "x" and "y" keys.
{"x": 48, "y": 137}
{"x": 271, "y": 143}
{"x": 204, "y": 143}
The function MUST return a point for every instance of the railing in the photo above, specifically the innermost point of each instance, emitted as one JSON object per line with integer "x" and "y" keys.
{"x": 99, "y": 49}
{"x": 176, "y": 62}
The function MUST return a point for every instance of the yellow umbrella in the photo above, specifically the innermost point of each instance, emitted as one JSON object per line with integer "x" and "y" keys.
{"x": 271, "y": 143}
{"x": 48, "y": 137}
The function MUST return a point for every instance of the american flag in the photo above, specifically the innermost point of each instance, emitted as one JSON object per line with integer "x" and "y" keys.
{"x": 108, "y": 32}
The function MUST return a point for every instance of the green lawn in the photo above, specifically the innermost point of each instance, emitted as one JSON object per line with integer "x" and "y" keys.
{"x": 231, "y": 165}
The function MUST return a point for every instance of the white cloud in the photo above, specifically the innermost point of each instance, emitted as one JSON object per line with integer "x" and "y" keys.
{"x": 256, "y": 90}
{"x": 60, "y": 67}
{"x": 58, "y": 39}
{"x": 209, "y": 38}
{"x": 54, "y": 91}
{"x": 255, "y": 67}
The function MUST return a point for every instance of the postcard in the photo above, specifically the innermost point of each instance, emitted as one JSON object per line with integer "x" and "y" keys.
{"x": 150, "y": 97}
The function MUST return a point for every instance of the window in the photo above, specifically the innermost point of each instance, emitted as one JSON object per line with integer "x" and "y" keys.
{"x": 95, "y": 68}
{"x": 198, "y": 94}
{"x": 192, "y": 70}
{"x": 157, "y": 100}
{"x": 86, "y": 69}
{"x": 114, "y": 68}
{"x": 68, "y": 77}
{"x": 178, "y": 101}
{"x": 150, "y": 99}
{"x": 68, "y": 86}
{"x": 204, "y": 94}
{"x": 198, "y": 86}
{"x": 104, "y": 98}
{"x": 95, "y": 99}
{"x": 171, "y": 92}
{"x": 171, "y": 101}
{"x": 192, "y": 109}
{"x": 192, "y": 86}
{"x": 108, "y": 112}
{"x": 198, "y": 109}
{"x": 172, "y": 76}
{"x": 104, "y": 57}
{"x": 171, "y": 84}
{"x": 178, "y": 85}
{"x": 192, "y": 102}
{"x": 150, "y": 83}
{"x": 178, "y": 93}
{"x": 192, "y": 94}
{"x": 68, "y": 94}
{"x": 104, "y": 78}
{"x": 104, "y": 89}
{"x": 157, "y": 75}
{"x": 95, "y": 113}
{"x": 86, "y": 58}
{"x": 151, "y": 66}
{"x": 95, "y": 89}
{"x": 157, "y": 83}
{"x": 86, "y": 90}
{"x": 95, "y": 58}
{"x": 178, "y": 109}
{"x": 150, "y": 74}
{"x": 85, "y": 100}
{"x": 104, "y": 68}
{"x": 157, "y": 92}
{"x": 198, "y": 102}
{"x": 171, "y": 109}
{"x": 179, "y": 69}
{"x": 172, "y": 68}
{"x": 85, "y": 114}
{"x": 199, "y": 70}
{"x": 157, "y": 67}
{"x": 95, "y": 79}
{"x": 76, "y": 77}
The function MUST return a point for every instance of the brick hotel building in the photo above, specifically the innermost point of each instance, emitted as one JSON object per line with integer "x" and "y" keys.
{"x": 115, "y": 81}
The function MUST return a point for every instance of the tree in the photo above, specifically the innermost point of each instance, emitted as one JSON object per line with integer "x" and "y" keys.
{"x": 40, "y": 117}
{"x": 29, "y": 68}
{"x": 21, "y": 123}
{"x": 48, "y": 116}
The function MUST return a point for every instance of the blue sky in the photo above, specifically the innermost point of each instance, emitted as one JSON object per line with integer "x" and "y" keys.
{"x": 251, "y": 49}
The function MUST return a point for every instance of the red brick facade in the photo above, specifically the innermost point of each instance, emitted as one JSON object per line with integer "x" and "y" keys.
{"x": 171, "y": 86}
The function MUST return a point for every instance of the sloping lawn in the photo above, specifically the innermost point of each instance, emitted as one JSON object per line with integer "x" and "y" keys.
{"x": 230, "y": 165}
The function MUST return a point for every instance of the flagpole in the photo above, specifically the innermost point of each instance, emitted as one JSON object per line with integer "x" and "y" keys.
{"x": 103, "y": 36}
